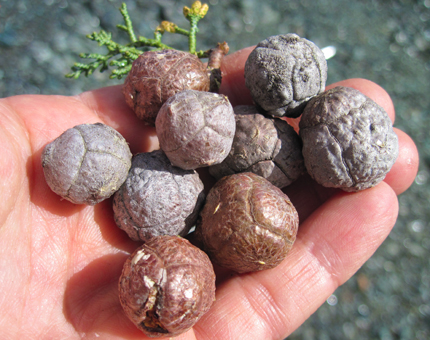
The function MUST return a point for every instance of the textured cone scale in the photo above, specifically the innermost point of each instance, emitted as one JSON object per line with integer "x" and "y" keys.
{"x": 87, "y": 163}
{"x": 157, "y": 198}
{"x": 283, "y": 72}
{"x": 268, "y": 147}
{"x": 157, "y": 75}
{"x": 348, "y": 140}
{"x": 247, "y": 224}
{"x": 196, "y": 129}
{"x": 166, "y": 286}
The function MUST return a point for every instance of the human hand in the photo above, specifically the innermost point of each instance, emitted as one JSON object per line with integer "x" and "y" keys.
{"x": 61, "y": 262}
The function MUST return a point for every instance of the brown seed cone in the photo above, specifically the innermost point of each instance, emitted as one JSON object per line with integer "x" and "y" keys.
{"x": 157, "y": 75}
{"x": 247, "y": 224}
{"x": 166, "y": 286}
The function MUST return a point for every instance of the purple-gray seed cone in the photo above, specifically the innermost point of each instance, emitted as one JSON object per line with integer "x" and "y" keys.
{"x": 87, "y": 163}
{"x": 283, "y": 73}
{"x": 195, "y": 128}
{"x": 348, "y": 140}
{"x": 268, "y": 147}
{"x": 157, "y": 198}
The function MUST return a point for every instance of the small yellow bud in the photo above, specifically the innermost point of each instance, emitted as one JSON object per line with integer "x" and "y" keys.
{"x": 195, "y": 7}
{"x": 160, "y": 29}
{"x": 169, "y": 26}
{"x": 186, "y": 11}
{"x": 203, "y": 10}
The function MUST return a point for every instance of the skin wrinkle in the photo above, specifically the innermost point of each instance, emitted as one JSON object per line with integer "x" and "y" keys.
{"x": 320, "y": 249}
{"x": 305, "y": 274}
{"x": 80, "y": 98}
{"x": 24, "y": 184}
{"x": 335, "y": 267}
{"x": 18, "y": 119}
{"x": 264, "y": 305}
{"x": 72, "y": 240}
{"x": 70, "y": 270}
{"x": 251, "y": 323}
{"x": 223, "y": 327}
{"x": 315, "y": 251}
{"x": 12, "y": 136}
{"x": 90, "y": 321}
{"x": 37, "y": 264}
{"x": 28, "y": 279}
{"x": 256, "y": 324}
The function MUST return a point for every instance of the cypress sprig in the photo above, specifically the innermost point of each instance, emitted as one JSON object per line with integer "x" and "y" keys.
{"x": 127, "y": 53}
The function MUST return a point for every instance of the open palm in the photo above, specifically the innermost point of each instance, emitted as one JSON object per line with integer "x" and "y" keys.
{"x": 60, "y": 262}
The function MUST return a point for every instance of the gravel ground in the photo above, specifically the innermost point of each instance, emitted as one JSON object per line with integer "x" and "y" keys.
{"x": 384, "y": 41}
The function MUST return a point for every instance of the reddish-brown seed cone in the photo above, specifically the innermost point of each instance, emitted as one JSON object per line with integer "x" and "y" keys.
{"x": 166, "y": 286}
{"x": 247, "y": 223}
{"x": 157, "y": 75}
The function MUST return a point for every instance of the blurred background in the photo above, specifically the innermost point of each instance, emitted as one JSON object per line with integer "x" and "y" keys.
{"x": 386, "y": 41}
